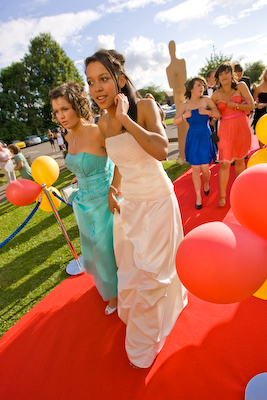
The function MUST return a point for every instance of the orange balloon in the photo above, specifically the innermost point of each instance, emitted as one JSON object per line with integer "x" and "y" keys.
{"x": 248, "y": 198}
{"x": 45, "y": 204}
{"x": 261, "y": 129}
{"x": 258, "y": 157}
{"x": 45, "y": 170}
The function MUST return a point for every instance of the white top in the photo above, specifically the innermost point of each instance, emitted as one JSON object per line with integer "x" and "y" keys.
{"x": 143, "y": 177}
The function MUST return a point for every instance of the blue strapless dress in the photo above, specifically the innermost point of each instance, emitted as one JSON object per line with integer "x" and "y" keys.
{"x": 95, "y": 221}
{"x": 199, "y": 148}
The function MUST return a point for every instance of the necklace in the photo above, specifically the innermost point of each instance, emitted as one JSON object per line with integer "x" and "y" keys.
{"x": 74, "y": 138}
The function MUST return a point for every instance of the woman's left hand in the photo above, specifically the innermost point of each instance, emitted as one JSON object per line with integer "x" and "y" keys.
{"x": 122, "y": 104}
{"x": 231, "y": 104}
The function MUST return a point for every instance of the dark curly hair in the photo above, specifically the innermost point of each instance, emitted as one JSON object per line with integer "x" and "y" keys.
{"x": 114, "y": 62}
{"x": 76, "y": 95}
{"x": 228, "y": 67}
{"x": 191, "y": 83}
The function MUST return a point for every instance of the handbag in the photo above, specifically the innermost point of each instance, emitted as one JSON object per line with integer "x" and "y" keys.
{"x": 68, "y": 190}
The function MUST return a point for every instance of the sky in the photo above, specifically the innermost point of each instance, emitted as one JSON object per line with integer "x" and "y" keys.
{"x": 139, "y": 29}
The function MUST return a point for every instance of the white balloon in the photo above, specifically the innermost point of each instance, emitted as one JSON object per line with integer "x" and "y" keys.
{"x": 9, "y": 167}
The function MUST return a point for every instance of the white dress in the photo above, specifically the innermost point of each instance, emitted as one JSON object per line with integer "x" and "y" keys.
{"x": 147, "y": 233}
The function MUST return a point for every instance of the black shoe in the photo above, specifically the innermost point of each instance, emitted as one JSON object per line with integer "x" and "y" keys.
{"x": 198, "y": 206}
{"x": 206, "y": 192}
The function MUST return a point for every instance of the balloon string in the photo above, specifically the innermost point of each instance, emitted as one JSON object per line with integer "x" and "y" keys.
{"x": 22, "y": 225}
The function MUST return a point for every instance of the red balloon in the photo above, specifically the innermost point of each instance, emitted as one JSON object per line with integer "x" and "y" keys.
{"x": 248, "y": 198}
{"x": 221, "y": 262}
{"x": 23, "y": 192}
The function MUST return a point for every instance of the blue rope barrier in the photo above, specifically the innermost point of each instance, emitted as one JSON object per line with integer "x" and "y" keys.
{"x": 22, "y": 225}
{"x": 60, "y": 198}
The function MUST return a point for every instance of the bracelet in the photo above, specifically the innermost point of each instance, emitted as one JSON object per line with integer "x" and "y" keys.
{"x": 237, "y": 107}
{"x": 183, "y": 117}
{"x": 113, "y": 187}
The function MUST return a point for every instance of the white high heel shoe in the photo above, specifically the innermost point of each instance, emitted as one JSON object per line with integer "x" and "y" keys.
{"x": 109, "y": 310}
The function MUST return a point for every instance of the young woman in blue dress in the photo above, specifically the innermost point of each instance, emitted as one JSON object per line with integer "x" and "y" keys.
{"x": 199, "y": 149}
{"x": 87, "y": 159}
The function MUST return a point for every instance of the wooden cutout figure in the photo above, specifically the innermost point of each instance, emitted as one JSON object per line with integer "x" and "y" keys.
{"x": 176, "y": 74}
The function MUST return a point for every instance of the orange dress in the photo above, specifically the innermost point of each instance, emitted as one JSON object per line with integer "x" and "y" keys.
{"x": 234, "y": 132}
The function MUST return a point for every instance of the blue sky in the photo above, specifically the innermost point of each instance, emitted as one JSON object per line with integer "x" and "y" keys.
{"x": 140, "y": 29}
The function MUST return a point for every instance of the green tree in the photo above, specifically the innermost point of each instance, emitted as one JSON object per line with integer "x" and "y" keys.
{"x": 254, "y": 70}
{"x": 48, "y": 66}
{"x": 24, "y": 86}
{"x": 156, "y": 91}
{"x": 214, "y": 61}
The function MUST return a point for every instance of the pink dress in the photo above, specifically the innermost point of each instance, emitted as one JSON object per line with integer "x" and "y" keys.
{"x": 234, "y": 132}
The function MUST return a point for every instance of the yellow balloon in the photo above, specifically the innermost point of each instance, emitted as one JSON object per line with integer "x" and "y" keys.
{"x": 258, "y": 157}
{"x": 45, "y": 170}
{"x": 45, "y": 204}
{"x": 261, "y": 129}
{"x": 262, "y": 292}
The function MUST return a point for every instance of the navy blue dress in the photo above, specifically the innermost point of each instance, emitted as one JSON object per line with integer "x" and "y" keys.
{"x": 199, "y": 148}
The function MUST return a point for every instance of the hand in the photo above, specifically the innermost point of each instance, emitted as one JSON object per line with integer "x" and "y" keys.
{"x": 113, "y": 202}
{"x": 261, "y": 105}
{"x": 213, "y": 122}
{"x": 231, "y": 104}
{"x": 187, "y": 114}
{"x": 122, "y": 104}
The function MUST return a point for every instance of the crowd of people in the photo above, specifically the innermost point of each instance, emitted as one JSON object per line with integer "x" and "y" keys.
{"x": 125, "y": 207}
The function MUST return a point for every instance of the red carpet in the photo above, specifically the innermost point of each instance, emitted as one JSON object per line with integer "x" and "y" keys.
{"x": 65, "y": 348}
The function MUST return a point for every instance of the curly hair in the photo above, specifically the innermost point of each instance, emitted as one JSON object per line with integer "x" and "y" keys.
{"x": 114, "y": 62}
{"x": 191, "y": 83}
{"x": 76, "y": 95}
{"x": 228, "y": 67}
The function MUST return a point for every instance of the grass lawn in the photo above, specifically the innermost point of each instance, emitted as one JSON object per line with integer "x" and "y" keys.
{"x": 33, "y": 263}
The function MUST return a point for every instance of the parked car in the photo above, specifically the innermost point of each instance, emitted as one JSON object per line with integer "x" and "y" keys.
{"x": 44, "y": 138}
{"x": 32, "y": 140}
{"x": 19, "y": 143}
{"x": 4, "y": 145}
{"x": 171, "y": 112}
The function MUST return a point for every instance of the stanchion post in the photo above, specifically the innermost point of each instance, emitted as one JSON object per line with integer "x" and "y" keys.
{"x": 63, "y": 229}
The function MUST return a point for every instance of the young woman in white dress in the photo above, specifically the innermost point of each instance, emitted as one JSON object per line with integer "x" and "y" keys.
{"x": 147, "y": 224}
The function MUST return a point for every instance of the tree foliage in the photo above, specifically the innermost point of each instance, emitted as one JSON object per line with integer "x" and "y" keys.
{"x": 213, "y": 62}
{"x": 254, "y": 71}
{"x": 24, "y": 103}
{"x": 156, "y": 91}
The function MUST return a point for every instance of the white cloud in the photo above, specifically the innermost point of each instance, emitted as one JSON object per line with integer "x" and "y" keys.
{"x": 117, "y": 6}
{"x": 145, "y": 60}
{"x": 223, "y": 20}
{"x": 192, "y": 45}
{"x": 105, "y": 42}
{"x": 237, "y": 41}
{"x": 188, "y": 10}
{"x": 15, "y": 34}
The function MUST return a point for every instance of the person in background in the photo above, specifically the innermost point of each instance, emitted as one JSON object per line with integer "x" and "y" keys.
{"x": 21, "y": 163}
{"x": 60, "y": 140}
{"x": 147, "y": 222}
{"x": 209, "y": 90}
{"x": 260, "y": 96}
{"x": 87, "y": 159}
{"x": 239, "y": 77}
{"x": 161, "y": 111}
{"x": 5, "y": 158}
{"x": 51, "y": 139}
{"x": 199, "y": 149}
{"x": 234, "y": 101}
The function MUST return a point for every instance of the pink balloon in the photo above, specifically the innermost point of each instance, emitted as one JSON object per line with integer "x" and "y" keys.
{"x": 248, "y": 198}
{"x": 222, "y": 262}
{"x": 22, "y": 192}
